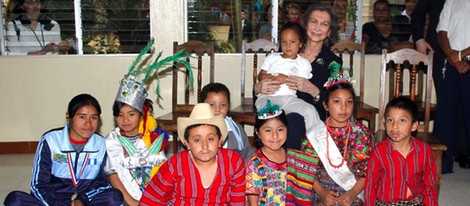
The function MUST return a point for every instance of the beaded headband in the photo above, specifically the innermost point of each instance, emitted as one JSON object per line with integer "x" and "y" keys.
{"x": 269, "y": 111}
{"x": 338, "y": 74}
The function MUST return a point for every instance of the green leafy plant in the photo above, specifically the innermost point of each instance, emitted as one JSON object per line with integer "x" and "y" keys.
{"x": 225, "y": 47}
{"x": 102, "y": 43}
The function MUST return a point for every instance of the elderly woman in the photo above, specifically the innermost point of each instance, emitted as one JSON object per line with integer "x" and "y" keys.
{"x": 321, "y": 26}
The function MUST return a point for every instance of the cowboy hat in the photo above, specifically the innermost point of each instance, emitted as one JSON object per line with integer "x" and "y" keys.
{"x": 201, "y": 114}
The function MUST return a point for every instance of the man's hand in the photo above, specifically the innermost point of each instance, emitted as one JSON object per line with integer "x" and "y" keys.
{"x": 422, "y": 46}
{"x": 462, "y": 66}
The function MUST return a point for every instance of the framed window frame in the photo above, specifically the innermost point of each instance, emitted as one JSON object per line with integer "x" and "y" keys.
{"x": 80, "y": 30}
{"x": 358, "y": 19}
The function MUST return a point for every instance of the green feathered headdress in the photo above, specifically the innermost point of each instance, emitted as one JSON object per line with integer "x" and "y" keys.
{"x": 153, "y": 68}
{"x": 338, "y": 74}
{"x": 131, "y": 88}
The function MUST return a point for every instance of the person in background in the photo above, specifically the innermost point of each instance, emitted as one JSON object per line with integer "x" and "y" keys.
{"x": 346, "y": 28}
{"x": 68, "y": 167}
{"x": 454, "y": 87}
{"x": 425, "y": 36}
{"x": 218, "y": 96}
{"x": 409, "y": 7}
{"x": 424, "y": 20}
{"x": 247, "y": 29}
{"x": 293, "y": 13}
{"x": 32, "y": 31}
{"x": 265, "y": 30}
{"x": 381, "y": 33}
{"x": 401, "y": 169}
{"x": 141, "y": 32}
{"x": 204, "y": 174}
{"x": 321, "y": 25}
{"x": 403, "y": 20}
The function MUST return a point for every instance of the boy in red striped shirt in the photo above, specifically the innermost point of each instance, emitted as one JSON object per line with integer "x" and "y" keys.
{"x": 401, "y": 169}
{"x": 204, "y": 174}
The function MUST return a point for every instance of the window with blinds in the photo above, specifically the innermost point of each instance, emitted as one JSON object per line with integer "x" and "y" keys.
{"x": 103, "y": 26}
{"x": 229, "y": 22}
{"x": 123, "y": 26}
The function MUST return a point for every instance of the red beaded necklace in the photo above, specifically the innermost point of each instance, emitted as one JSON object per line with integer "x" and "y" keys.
{"x": 331, "y": 130}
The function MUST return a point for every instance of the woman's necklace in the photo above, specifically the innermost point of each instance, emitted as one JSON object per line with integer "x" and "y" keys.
{"x": 331, "y": 130}
{"x": 37, "y": 38}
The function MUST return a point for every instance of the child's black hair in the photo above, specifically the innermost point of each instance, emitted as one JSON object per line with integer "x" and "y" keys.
{"x": 382, "y": 2}
{"x": 297, "y": 28}
{"x": 19, "y": 13}
{"x": 82, "y": 100}
{"x": 118, "y": 105}
{"x": 260, "y": 122}
{"x": 216, "y": 88}
{"x": 345, "y": 86}
{"x": 403, "y": 103}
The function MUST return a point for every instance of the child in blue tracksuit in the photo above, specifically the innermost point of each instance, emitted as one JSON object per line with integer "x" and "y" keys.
{"x": 69, "y": 161}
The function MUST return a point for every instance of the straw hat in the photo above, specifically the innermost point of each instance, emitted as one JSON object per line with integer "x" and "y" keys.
{"x": 202, "y": 114}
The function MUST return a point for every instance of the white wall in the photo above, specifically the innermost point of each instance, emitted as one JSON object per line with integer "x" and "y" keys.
{"x": 35, "y": 91}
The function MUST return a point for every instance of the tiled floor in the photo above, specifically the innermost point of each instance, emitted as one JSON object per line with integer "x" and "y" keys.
{"x": 15, "y": 173}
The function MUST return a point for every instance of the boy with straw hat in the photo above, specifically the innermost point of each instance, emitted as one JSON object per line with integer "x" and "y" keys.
{"x": 204, "y": 174}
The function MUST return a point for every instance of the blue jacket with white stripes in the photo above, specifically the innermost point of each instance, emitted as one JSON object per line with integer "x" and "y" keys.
{"x": 51, "y": 177}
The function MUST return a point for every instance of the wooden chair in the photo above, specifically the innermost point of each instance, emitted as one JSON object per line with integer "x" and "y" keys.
{"x": 365, "y": 111}
{"x": 245, "y": 113}
{"x": 420, "y": 90}
{"x": 198, "y": 49}
{"x": 414, "y": 58}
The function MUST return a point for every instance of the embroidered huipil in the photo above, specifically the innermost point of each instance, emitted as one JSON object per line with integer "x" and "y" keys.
{"x": 359, "y": 148}
{"x": 132, "y": 167}
{"x": 295, "y": 178}
{"x": 390, "y": 174}
{"x": 266, "y": 179}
